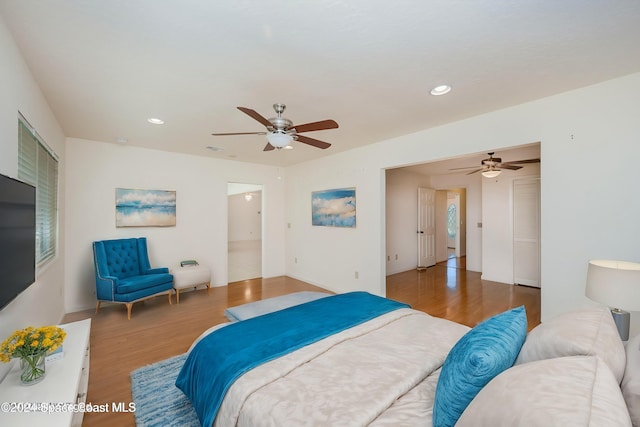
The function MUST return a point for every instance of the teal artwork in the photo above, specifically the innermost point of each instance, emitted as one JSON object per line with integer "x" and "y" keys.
{"x": 334, "y": 208}
{"x": 145, "y": 208}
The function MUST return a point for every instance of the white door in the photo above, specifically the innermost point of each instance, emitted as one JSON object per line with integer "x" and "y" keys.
{"x": 426, "y": 227}
{"x": 526, "y": 232}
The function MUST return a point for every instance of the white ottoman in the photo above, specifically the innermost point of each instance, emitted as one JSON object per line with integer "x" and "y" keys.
{"x": 190, "y": 276}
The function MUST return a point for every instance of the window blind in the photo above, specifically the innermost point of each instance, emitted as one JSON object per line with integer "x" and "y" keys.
{"x": 38, "y": 166}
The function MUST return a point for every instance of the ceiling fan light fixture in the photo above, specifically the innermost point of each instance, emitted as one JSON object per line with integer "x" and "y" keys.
{"x": 491, "y": 173}
{"x": 279, "y": 139}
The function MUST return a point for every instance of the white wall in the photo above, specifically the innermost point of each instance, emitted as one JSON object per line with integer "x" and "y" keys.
{"x": 96, "y": 169}
{"x": 579, "y": 131}
{"x": 42, "y": 302}
{"x": 330, "y": 256}
{"x": 402, "y": 219}
{"x": 245, "y": 218}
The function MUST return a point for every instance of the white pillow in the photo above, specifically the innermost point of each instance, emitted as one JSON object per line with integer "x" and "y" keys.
{"x": 631, "y": 381}
{"x": 565, "y": 391}
{"x": 588, "y": 331}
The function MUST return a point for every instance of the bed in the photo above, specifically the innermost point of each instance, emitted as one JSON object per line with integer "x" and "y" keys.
{"x": 393, "y": 368}
{"x": 374, "y": 371}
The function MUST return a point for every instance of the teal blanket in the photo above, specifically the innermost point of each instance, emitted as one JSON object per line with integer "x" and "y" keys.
{"x": 224, "y": 355}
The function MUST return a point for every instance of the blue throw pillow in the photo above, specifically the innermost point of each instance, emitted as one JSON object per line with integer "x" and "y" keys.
{"x": 481, "y": 354}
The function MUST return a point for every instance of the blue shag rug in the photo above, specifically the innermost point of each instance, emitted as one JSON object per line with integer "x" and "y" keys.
{"x": 158, "y": 401}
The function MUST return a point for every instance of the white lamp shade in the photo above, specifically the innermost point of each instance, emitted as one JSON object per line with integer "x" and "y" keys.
{"x": 279, "y": 139}
{"x": 615, "y": 284}
{"x": 491, "y": 173}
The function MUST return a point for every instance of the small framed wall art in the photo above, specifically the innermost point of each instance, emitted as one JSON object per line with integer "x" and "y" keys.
{"x": 145, "y": 208}
{"x": 334, "y": 208}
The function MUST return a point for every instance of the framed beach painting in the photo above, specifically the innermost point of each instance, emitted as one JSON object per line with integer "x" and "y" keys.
{"x": 334, "y": 208}
{"x": 145, "y": 208}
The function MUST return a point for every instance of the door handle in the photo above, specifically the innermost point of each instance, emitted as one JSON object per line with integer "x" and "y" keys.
{"x": 421, "y": 232}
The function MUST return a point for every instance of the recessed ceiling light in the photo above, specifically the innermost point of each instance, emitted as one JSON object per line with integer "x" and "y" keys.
{"x": 440, "y": 90}
{"x": 155, "y": 121}
{"x": 212, "y": 148}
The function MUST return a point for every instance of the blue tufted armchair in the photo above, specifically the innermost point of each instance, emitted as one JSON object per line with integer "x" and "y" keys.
{"x": 123, "y": 273}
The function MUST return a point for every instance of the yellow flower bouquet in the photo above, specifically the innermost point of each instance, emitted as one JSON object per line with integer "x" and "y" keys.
{"x": 31, "y": 346}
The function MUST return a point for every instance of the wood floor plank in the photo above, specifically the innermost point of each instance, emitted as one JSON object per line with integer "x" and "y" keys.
{"x": 158, "y": 330}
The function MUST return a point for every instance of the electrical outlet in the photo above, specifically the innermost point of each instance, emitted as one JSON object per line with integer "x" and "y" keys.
{"x": 356, "y": 275}
{"x": 295, "y": 260}
{"x": 396, "y": 257}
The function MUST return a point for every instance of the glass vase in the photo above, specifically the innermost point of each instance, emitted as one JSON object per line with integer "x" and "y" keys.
{"x": 32, "y": 368}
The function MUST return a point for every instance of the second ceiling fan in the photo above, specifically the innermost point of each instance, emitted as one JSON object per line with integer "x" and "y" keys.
{"x": 281, "y": 131}
{"x": 492, "y": 166}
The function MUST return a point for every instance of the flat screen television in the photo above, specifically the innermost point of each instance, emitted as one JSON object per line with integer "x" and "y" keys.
{"x": 17, "y": 238}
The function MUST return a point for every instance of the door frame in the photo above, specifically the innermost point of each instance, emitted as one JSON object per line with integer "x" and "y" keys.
{"x": 236, "y": 187}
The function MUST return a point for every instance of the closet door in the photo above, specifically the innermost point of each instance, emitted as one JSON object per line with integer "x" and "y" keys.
{"x": 526, "y": 232}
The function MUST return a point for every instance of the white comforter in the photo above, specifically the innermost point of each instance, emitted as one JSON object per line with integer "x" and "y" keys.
{"x": 382, "y": 373}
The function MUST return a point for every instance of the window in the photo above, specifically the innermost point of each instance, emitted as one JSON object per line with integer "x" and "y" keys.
{"x": 451, "y": 221}
{"x": 38, "y": 166}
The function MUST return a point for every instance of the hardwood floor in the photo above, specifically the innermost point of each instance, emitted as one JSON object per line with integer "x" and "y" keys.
{"x": 157, "y": 331}
{"x": 448, "y": 290}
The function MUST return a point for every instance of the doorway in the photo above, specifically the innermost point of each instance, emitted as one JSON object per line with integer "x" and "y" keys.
{"x": 452, "y": 225}
{"x": 451, "y": 220}
{"x": 244, "y": 234}
{"x": 486, "y": 228}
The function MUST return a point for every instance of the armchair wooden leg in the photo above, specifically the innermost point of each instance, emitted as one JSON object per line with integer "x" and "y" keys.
{"x": 208, "y": 287}
{"x": 169, "y": 293}
{"x": 98, "y": 307}
{"x": 129, "y": 306}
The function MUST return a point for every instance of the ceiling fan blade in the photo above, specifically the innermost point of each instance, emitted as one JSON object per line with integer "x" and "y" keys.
{"x": 472, "y": 172}
{"x": 493, "y": 160}
{"x": 269, "y": 147}
{"x": 321, "y": 125}
{"x": 523, "y": 161}
{"x": 508, "y": 166}
{"x": 466, "y": 167}
{"x": 314, "y": 142}
{"x": 239, "y": 133}
{"x": 254, "y": 115}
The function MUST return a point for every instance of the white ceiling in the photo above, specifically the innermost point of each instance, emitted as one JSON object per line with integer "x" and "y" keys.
{"x": 106, "y": 66}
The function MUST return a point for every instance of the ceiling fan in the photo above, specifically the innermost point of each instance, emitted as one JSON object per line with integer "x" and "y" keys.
{"x": 492, "y": 166}
{"x": 281, "y": 131}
